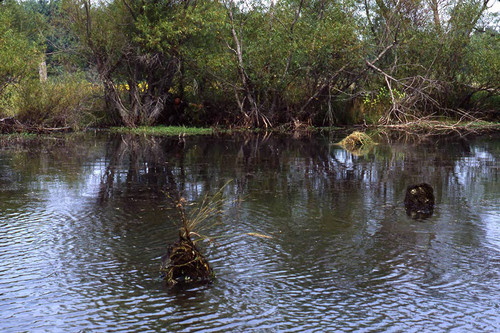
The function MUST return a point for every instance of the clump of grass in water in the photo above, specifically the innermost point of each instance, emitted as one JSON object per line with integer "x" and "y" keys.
{"x": 184, "y": 263}
{"x": 357, "y": 142}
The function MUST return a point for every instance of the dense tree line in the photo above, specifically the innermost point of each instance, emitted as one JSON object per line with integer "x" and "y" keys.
{"x": 259, "y": 63}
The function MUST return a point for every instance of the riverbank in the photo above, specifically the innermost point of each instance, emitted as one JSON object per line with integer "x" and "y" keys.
{"x": 163, "y": 130}
{"x": 414, "y": 127}
{"x": 417, "y": 127}
{"x": 445, "y": 125}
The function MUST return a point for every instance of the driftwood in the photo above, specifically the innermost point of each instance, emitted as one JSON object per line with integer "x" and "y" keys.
{"x": 9, "y": 125}
{"x": 41, "y": 129}
{"x": 12, "y": 125}
{"x": 185, "y": 264}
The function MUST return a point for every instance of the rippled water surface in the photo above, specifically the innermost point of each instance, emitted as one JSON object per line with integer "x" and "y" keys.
{"x": 85, "y": 220}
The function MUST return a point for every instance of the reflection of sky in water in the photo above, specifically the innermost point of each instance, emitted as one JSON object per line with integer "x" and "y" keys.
{"x": 344, "y": 157}
{"x": 478, "y": 159}
{"x": 492, "y": 226}
{"x": 372, "y": 266}
{"x": 475, "y": 172}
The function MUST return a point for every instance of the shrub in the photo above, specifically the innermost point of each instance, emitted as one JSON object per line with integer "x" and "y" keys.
{"x": 376, "y": 105}
{"x": 64, "y": 102}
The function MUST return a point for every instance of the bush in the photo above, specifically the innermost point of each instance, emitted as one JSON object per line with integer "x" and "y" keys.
{"x": 6, "y": 101}
{"x": 489, "y": 104}
{"x": 19, "y": 54}
{"x": 64, "y": 102}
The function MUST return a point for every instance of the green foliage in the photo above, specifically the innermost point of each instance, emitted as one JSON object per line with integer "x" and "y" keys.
{"x": 439, "y": 56}
{"x": 296, "y": 51}
{"x": 375, "y": 105}
{"x": 482, "y": 61}
{"x": 7, "y": 98}
{"x": 383, "y": 97}
{"x": 194, "y": 35}
{"x": 286, "y": 61}
{"x": 59, "y": 43}
{"x": 164, "y": 130}
{"x": 178, "y": 28}
{"x": 64, "y": 102}
{"x": 19, "y": 55}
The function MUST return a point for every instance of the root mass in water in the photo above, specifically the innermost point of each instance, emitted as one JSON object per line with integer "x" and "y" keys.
{"x": 184, "y": 263}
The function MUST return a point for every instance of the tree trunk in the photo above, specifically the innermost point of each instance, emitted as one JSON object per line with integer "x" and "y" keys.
{"x": 254, "y": 117}
{"x": 42, "y": 71}
{"x": 434, "y": 4}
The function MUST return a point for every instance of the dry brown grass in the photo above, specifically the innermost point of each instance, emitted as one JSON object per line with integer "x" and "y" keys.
{"x": 358, "y": 143}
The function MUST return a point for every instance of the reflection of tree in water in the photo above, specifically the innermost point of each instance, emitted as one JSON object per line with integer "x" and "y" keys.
{"x": 51, "y": 156}
{"x": 138, "y": 169}
{"x": 24, "y": 163}
{"x": 358, "y": 201}
{"x": 352, "y": 206}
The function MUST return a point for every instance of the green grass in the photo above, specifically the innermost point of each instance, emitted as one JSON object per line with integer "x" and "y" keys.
{"x": 444, "y": 124}
{"x": 164, "y": 130}
{"x": 22, "y": 135}
{"x": 450, "y": 123}
{"x": 480, "y": 124}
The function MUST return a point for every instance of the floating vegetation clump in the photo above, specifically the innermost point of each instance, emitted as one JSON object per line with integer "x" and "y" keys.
{"x": 184, "y": 263}
{"x": 357, "y": 142}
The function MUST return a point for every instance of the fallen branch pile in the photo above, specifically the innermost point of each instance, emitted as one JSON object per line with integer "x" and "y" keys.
{"x": 12, "y": 125}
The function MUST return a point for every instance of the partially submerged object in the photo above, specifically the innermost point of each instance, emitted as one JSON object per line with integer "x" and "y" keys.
{"x": 357, "y": 143}
{"x": 184, "y": 263}
{"x": 419, "y": 201}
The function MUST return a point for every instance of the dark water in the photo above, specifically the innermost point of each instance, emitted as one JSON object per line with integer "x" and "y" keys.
{"x": 84, "y": 221}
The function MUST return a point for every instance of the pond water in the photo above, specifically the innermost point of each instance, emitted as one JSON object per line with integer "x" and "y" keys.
{"x": 85, "y": 219}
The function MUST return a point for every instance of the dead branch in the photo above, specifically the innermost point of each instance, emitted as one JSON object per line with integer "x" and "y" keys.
{"x": 12, "y": 125}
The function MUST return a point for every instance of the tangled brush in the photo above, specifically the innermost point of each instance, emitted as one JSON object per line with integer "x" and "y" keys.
{"x": 184, "y": 263}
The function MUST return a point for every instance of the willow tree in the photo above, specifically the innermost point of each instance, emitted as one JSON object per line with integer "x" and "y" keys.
{"x": 429, "y": 64}
{"x": 20, "y": 53}
{"x": 191, "y": 33}
{"x": 292, "y": 57}
{"x": 136, "y": 81}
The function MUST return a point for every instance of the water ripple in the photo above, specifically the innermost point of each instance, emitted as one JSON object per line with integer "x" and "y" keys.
{"x": 343, "y": 254}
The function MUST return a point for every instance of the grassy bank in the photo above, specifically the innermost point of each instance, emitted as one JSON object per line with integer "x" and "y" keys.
{"x": 164, "y": 130}
{"x": 419, "y": 126}
{"x": 445, "y": 125}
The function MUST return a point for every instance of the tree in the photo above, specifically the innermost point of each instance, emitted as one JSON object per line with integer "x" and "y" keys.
{"x": 59, "y": 41}
{"x": 260, "y": 63}
{"x": 190, "y": 35}
{"x": 292, "y": 58}
{"x": 19, "y": 55}
{"x": 136, "y": 82}
{"x": 426, "y": 69}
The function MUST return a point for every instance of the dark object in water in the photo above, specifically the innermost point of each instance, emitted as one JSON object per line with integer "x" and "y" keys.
{"x": 419, "y": 201}
{"x": 184, "y": 263}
